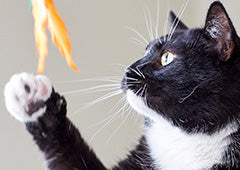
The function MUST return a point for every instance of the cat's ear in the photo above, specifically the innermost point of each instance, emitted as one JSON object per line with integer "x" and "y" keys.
{"x": 220, "y": 30}
{"x": 175, "y": 20}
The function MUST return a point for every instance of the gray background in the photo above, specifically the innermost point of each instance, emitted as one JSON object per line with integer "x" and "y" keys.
{"x": 102, "y": 47}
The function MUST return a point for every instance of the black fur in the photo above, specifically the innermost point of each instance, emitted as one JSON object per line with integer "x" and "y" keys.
{"x": 65, "y": 149}
{"x": 198, "y": 92}
{"x": 60, "y": 141}
{"x": 194, "y": 91}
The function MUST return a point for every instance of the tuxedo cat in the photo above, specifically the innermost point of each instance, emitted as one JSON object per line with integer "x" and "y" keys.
{"x": 187, "y": 86}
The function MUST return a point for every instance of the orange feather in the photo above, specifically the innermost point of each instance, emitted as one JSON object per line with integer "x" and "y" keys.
{"x": 45, "y": 15}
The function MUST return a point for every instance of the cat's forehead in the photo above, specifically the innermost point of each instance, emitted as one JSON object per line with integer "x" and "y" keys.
{"x": 179, "y": 41}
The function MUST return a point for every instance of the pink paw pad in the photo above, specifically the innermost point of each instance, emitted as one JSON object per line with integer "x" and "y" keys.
{"x": 25, "y": 96}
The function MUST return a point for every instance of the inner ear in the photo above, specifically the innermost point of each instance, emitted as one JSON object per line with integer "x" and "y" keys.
{"x": 175, "y": 20}
{"x": 219, "y": 28}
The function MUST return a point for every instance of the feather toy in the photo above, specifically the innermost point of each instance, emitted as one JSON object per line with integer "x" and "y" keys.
{"x": 46, "y": 15}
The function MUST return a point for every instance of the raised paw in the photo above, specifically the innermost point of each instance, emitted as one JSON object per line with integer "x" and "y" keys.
{"x": 25, "y": 96}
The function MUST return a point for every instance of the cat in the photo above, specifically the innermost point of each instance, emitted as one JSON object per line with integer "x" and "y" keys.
{"x": 187, "y": 86}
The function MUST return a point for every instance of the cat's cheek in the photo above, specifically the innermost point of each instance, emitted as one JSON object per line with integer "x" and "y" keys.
{"x": 136, "y": 102}
{"x": 25, "y": 96}
{"x": 139, "y": 105}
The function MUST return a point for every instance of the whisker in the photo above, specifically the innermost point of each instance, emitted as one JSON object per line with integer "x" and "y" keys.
{"x": 129, "y": 85}
{"x": 140, "y": 72}
{"x": 157, "y": 20}
{"x": 177, "y": 19}
{"x": 111, "y": 115}
{"x": 185, "y": 98}
{"x": 174, "y": 21}
{"x": 130, "y": 78}
{"x": 165, "y": 28}
{"x": 114, "y": 107}
{"x": 136, "y": 82}
{"x": 116, "y": 115}
{"x": 126, "y": 108}
{"x": 135, "y": 71}
{"x": 145, "y": 96}
{"x": 137, "y": 67}
{"x": 135, "y": 115}
{"x": 102, "y": 98}
{"x": 186, "y": 3}
{"x": 115, "y": 131}
{"x": 143, "y": 90}
{"x": 138, "y": 42}
{"x": 93, "y": 89}
{"x": 150, "y": 23}
{"x": 104, "y": 120}
{"x": 122, "y": 65}
{"x": 140, "y": 35}
{"x": 107, "y": 79}
{"x": 147, "y": 25}
{"x": 160, "y": 40}
{"x": 138, "y": 91}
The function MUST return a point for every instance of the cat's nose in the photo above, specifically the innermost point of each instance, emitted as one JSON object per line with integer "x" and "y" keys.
{"x": 128, "y": 72}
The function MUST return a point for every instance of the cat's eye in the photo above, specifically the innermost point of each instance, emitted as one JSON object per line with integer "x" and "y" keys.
{"x": 167, "y": 58}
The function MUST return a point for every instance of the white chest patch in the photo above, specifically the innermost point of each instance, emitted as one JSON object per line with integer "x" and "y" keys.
{"x": 173, "y": 149}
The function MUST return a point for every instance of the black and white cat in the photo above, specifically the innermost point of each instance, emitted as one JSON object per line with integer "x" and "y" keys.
{"x": 187, "y": 86}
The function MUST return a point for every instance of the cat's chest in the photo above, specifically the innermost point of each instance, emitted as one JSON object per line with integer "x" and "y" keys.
{"x": 173, "y": 149}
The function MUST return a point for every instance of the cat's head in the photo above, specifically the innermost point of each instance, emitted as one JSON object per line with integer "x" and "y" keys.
{"x": 191, "y": 77}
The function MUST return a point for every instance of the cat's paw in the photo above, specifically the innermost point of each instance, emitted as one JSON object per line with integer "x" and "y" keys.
{"x": 25, "y": 96}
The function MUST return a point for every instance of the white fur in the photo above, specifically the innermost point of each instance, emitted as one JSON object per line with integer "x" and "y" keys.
{"x": 173, "y": 149}
{"x": 17, "y": 99}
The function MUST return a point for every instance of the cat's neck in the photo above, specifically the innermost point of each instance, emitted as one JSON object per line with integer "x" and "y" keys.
{"x": 172, "y": 148}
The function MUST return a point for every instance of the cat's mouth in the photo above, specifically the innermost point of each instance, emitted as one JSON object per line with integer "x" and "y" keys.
{"x": 138, "y": 87}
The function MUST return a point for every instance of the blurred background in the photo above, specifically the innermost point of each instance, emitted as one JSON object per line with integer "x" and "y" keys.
{"x": 103, "y": 45}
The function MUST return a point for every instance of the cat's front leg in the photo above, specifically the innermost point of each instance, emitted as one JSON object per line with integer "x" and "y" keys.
{"x": 32, "y": 100}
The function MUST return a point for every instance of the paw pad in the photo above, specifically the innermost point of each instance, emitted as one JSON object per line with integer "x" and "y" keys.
{"x": 25, "y": 96}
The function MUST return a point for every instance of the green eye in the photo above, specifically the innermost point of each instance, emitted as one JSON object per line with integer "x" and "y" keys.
{"x": 167, "y": 58}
